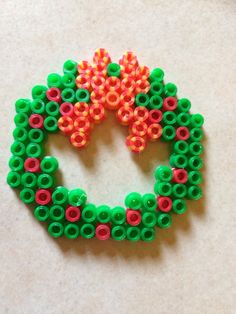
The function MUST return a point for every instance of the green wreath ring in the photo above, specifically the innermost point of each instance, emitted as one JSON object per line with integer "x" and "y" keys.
{"x": 73, "y": 103}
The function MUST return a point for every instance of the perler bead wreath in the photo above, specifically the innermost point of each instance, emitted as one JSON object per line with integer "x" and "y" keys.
{"x": 73, "y": 103}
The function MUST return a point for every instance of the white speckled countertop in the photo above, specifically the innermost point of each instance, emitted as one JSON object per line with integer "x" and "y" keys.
{"x": 189, "y": 269}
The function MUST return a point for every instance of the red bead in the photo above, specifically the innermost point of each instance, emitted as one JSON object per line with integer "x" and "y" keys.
{"x": 83, "y": 81}
{"x": 84, "y": 67}
{"x": 98, "y": 82}
{"x": 141, "y": 113}
{"x": 65, "y": 124}
{"x": 97, "y": 113}
{"x": 133, "y": 217}
{"x": 142, "y": 72}
{"x": 169, "y": 104}
{"x": 127, "y": 70}
{"x": 127, "y": 98}
{"x": 101, "y": 54}
{"x": 54, "y": 94}
{"x": 154, "y": 131}
{"x": 112, "y": 84}
{"x": 129, "y": 58}
{"x": 155, "y": 116}
{"x": 180, "y": 175}
{"x": 139, "y": 128}
{"x": 125, "y": 115}
{"x": 112, "y": 100}
{"x": 32, "y": 165}
{"x": 43, "y": 197}
{"x": 164, "y": 203}
{"x": 81, "y": 109}
{"x": 182, "y": 133}
{"x": 66, "y": 109}
{"x": 98, "y": 97}
{"x": 72, "y": 213}
{"x": 103, "y": 232}
{"x": 79, "y": 139}
{"x": 128, "y": 84}
{"x": 142, "y": 86}
{"x": 36, "y": 121}
{"x": 136, "y": 143}
{"x": 100, "y": 68}
{"x": 82, "y": 124}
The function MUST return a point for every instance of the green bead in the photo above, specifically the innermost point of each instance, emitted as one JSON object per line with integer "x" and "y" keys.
{"x": 194, "y": 177}
{"x": 50, "y": 124}
{"x": 133, "y": 234}
{"x": 36, "y": 135}
{"x": 16, "y": 163}
{"x": 68, "y": 80}
{"x": 179, "y": 190}
{"x": 118, "y": 215}
{"x": 39, "y": 92}
{"x": 20, "y": 134}
{"x": 89, "y": 213}
{"x": 157, "y": 74}
{"x": 18, "y": 148}
{"x": 183, "y": 119}
{"x": 195, "y": 148}
{"x": 13, "y": 179}
{"x": 27, "y": 195}
{"x": 21, "y": 120}
{"x": 103, "y": 214}
{"x": 195, "y": 163}
{"x": 41, "y": 213}
{"x": 181, "y": 147}
{"x": 148, "y": 234}
{"x": 57, "y": 213}
{"x": 34, "y": 150}
{"x": 184, "y": 105}
{"x": 68, "y": 95}
{"x": 170, "y": 90}
{"x": 149, "y": 202}
{"x": 55, "y": 229}
{"x": 156, "y": 88}
{"x": 178, "y": 161}
{"x": 71, "y": 231}
{"x": 164, "y": 220}
{"x": 54, "y": 80}
{"x": 113, "y": 69}
{"x": 179, "y": 206}
{"x": 149, "y": 219}
{"x": 82, "y": 95}
{"x": 87, "y": 231}
{"x": 168, "y": 133}
{"x": 133, "y": 200}
{"x": 142, "y": 99}
{"x": 163, "y": 188}
{"x": 194, "y": 192}
{"x": 163, "y": 173}
{"x": 29, "y": 180}
{"x": 70, "y": 67}
{"x": 77, "y": 197}
{"x": 155, "y": 102}
{"x": 169, "y": 117}
{"x": 60, "y": 195}
{"x": 196, "y": 135}
{"x": 118, "y": 233}
{"x": 197, "y": 120}
{"x": 23, "y": 106}
{"x": 52, "y": 108}
{"x": 49, "y": 164}
{"x": 45, "y": 181}
{"x": 38, "y": 106}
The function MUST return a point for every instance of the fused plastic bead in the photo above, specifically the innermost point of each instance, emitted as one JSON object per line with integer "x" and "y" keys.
{"x": 43, "y": 197}
{"x": 163, "y": 173}
{"x": 156, "y": 88}
{"x": 139, "y": 128}
{"x": 77, "y": 197}
{"x": 41, "y": 213}
{"x": 142, "y": 72}
{"x": 133, "y": 201}
{"x": 169, "y": 118}
{"x": 169, "y": 104}
{"x": 39, "y": 92}
{"x": 196, "y": 135}
{"x": 142, "y": 100}
{"x": 36, "y": 135}
{"x": 103, "y": 213}
{"x": 194, "y": 192}
{"x": 163, "y": 188}
{"x": 68, "y": 80}
{"x": 141, "y": 113}
{"x": 125, "y": 115}
{"x": 181, "y": 147}
{"x": 21, "y": 120}
{"x": 66, "y": 109}
{"x": 66, "y": 124}
{"x": 113, "y": 69}
{"x": 180, "y": 175}
{"x": 155, "y": 102}
{"x": 32, "y": 164}
{"x": 183, "y": 119}
{"x": 71, "y": 231}
{"x": 112, "y": 83}
{"x": 97, "y": 113}
{"x": 49, "y": 164}
{"x": 112, "y": 100}
{"x": 20, "y": 134}
{"x": 195, "y": 163}
{"x": 195, "y": 148}
{"x": 18, "y": 148}
{"x": 179, "y": 206}
{"x": 149, "y": 202}
{"x": 197, "y": 120}
{"x": 136, "y": 143}
{"x": 149, "y": 219}
{"x": 183, "y": 105}
{"x": 194, "y": 177}
{"x": 133, "y": 233}
{"x": 148, "y": 234}
{"x": 83, "y": 81}
{"x": 52, "y": 108}
{"x": 81, "y": 109}
{"x": 34, "y": 150}
{"x": 54, "y": 80}
{"x": 89, "y": 213}
{"x": 127, "y": 84}
{"x": 142, "y": 86}
{"x": 37, "y": 106}
{"x": 182, "y": 133}
{"x": 73, "y": 213}
{"x": 133, "y": 217}
{"x": 22, "y": 106}
{"x": 156, "y": 74}
{"x": 118, "y": 215}
{"x": 82, "y": 95}
{"x": 82, "y": 124}
{"x": 16, "y": 163}
{"x": 170, "y": 89}
{"x": 168, "y": 133}
{"x": 118, "y": 233}
{"x": 50, "y": 124}
{"x": 179, "y": 190}
{"x": 54, "y": 94}
{"x": 98, "y": 82}
{"x": 13, "y": 179}
{"x": 79, "y": 139}
{"x": 36, "y": 121}
{"x": 45, "y": 181}
{"x": 87, "y": 231}
{"x": 70, "y": 66}
{"x": 155, "y": 116}
{"x": 154, "y": 131}
{"x": 55, "y": 229}
{"x": 68, "y": 95}
{"x": 164, "y": 203}
{"x": 164, "y": 221}
{"x": 57, "y": 213}
{"x": 60, "y": 195}
{"x": 102, "y": 232}
{"x": 27, "y": 195}
{"x": 178, "y": 161}
{"x": 127, "y": 98}
{"x": 29, "y": 180}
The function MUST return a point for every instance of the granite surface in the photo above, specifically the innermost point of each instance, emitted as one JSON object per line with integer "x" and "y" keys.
{"x": 189, "y": 269}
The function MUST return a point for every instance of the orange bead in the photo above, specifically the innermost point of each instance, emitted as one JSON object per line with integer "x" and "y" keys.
{"x": 85, "y": 67}
{"x": 98, "y": 82}
{"x": 100, "y": 69}
{"x": 127, "y": 71}
{"x": 82, "y": 124}
{"x": 79, "y": 139}
{"x": 101, "y": 54}
{"x": 128, "y": 84}
{"x": 65, "y": 124}
{"x": 81, "y": 109}
{"x": 127, "y": 98}
{"x": 112, "y": 100}
{"x": 112, "y": 84}
{"x": 141, "y": 113}
{"x": 129, "y": 58}
{"x": 154, "y": 131}
{"x": 142, "y": 86}
{"x": 136, "y": 144}
{"x": 83, "y": 81}
{"x": 142, "y": 72}
{"x": 125, "y": 115}
{"x": 139, "y": 128}
{"x": 97, "y": 113}
{"x": 98, "y": 96}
